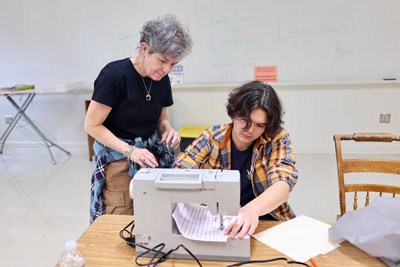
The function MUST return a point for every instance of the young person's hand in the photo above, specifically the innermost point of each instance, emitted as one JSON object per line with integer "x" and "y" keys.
{"x": 245, "y": 223}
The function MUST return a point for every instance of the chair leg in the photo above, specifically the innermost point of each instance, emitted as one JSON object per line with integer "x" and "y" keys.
{"x": 90, "y": 139}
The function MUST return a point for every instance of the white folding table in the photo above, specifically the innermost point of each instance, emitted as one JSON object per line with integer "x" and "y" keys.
{"x": 30, "y": 94}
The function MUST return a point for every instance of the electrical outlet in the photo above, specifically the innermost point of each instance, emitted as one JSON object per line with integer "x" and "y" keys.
{"x": 8, "y": 119}
{"x": 384, "y": 118}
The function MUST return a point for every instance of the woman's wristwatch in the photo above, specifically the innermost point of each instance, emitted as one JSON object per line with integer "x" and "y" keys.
{"x": 127, "y": 153}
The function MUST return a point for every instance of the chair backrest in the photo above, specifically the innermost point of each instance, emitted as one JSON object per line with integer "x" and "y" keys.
{"x": 365, "y": 166}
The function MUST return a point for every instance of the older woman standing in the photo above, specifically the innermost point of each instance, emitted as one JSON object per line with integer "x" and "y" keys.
{"x": 128, "y": 109}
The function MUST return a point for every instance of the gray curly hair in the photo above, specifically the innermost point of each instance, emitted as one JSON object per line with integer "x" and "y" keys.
{"x": 166, "y": 35}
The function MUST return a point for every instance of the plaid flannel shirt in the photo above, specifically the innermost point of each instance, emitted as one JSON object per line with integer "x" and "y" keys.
{"x": 272, "y": 160}
{"x": 105, "y": 155}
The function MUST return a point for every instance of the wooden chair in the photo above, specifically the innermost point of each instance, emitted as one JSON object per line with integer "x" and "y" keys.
{"x": 364, "y": 166}
{"x": 90, "y": 138}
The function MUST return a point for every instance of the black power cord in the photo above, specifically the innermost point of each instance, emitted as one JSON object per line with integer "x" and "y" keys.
{"x": 131, "y": 237}
{"x": 270, "y": 260}
{"x": 162, "y": 256}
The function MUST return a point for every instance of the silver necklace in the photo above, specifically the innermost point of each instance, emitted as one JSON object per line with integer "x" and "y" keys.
{"x": 148, "y": 96}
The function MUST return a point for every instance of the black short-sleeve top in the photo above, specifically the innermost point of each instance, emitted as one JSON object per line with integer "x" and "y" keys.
{"x": 121, "y": 87}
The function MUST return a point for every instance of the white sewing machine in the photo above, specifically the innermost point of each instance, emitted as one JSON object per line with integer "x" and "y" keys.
{"x": 155, "y": 193}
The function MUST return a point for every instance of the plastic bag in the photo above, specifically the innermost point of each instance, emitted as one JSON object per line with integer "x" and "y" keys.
{"x": 375, "y": 229}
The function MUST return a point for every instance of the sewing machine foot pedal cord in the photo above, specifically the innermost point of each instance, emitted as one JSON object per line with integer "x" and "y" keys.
{"x": 157, "y": 249}
{"x": 162, "y": 256}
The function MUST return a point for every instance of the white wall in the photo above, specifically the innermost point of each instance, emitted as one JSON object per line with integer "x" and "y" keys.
{"x": 313, "y": 114}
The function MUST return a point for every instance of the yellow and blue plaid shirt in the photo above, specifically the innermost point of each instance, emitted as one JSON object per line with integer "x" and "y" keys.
{"x": 272, "y": 160}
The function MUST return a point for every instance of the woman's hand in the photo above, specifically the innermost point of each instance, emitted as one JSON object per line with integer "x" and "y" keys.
{"x": 245, "y": 223}
{"x": 144, "y": 158}
{"x": 172, "y": 136}
{"x": 168, "y": 133}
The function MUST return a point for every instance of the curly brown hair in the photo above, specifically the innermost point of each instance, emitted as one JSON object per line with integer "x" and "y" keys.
{"x": 253, "y": 95}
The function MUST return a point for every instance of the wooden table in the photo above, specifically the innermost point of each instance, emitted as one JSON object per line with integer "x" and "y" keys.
{"x": 102, "y": 246}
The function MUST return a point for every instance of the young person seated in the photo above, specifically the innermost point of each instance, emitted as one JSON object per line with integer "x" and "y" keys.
{"x": 256, "y": 145}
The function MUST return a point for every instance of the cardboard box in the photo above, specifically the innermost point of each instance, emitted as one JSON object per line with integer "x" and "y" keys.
{"x": 58, "y": 87}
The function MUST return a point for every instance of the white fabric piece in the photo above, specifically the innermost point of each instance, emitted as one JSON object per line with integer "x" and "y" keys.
{"x": 375, "y": 229}
{"x": 197, "y": 223}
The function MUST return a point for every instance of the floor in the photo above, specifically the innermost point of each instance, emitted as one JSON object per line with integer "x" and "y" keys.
{"x": 46, "y": 205}
{"x": 49, "y": 204}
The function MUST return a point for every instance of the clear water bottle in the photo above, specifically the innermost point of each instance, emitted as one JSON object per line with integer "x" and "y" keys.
{"x": 72, "y": 256}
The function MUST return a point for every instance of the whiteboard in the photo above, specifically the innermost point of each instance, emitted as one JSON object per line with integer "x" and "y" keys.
{"x": 309, "y": 41}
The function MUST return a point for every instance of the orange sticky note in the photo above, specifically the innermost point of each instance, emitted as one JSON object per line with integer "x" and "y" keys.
{"x": 266, "y": 74}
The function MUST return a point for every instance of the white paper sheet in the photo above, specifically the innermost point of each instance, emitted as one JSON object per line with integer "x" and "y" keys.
{"x": 300, "y": 238}
{"x": 196, "y": 222}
